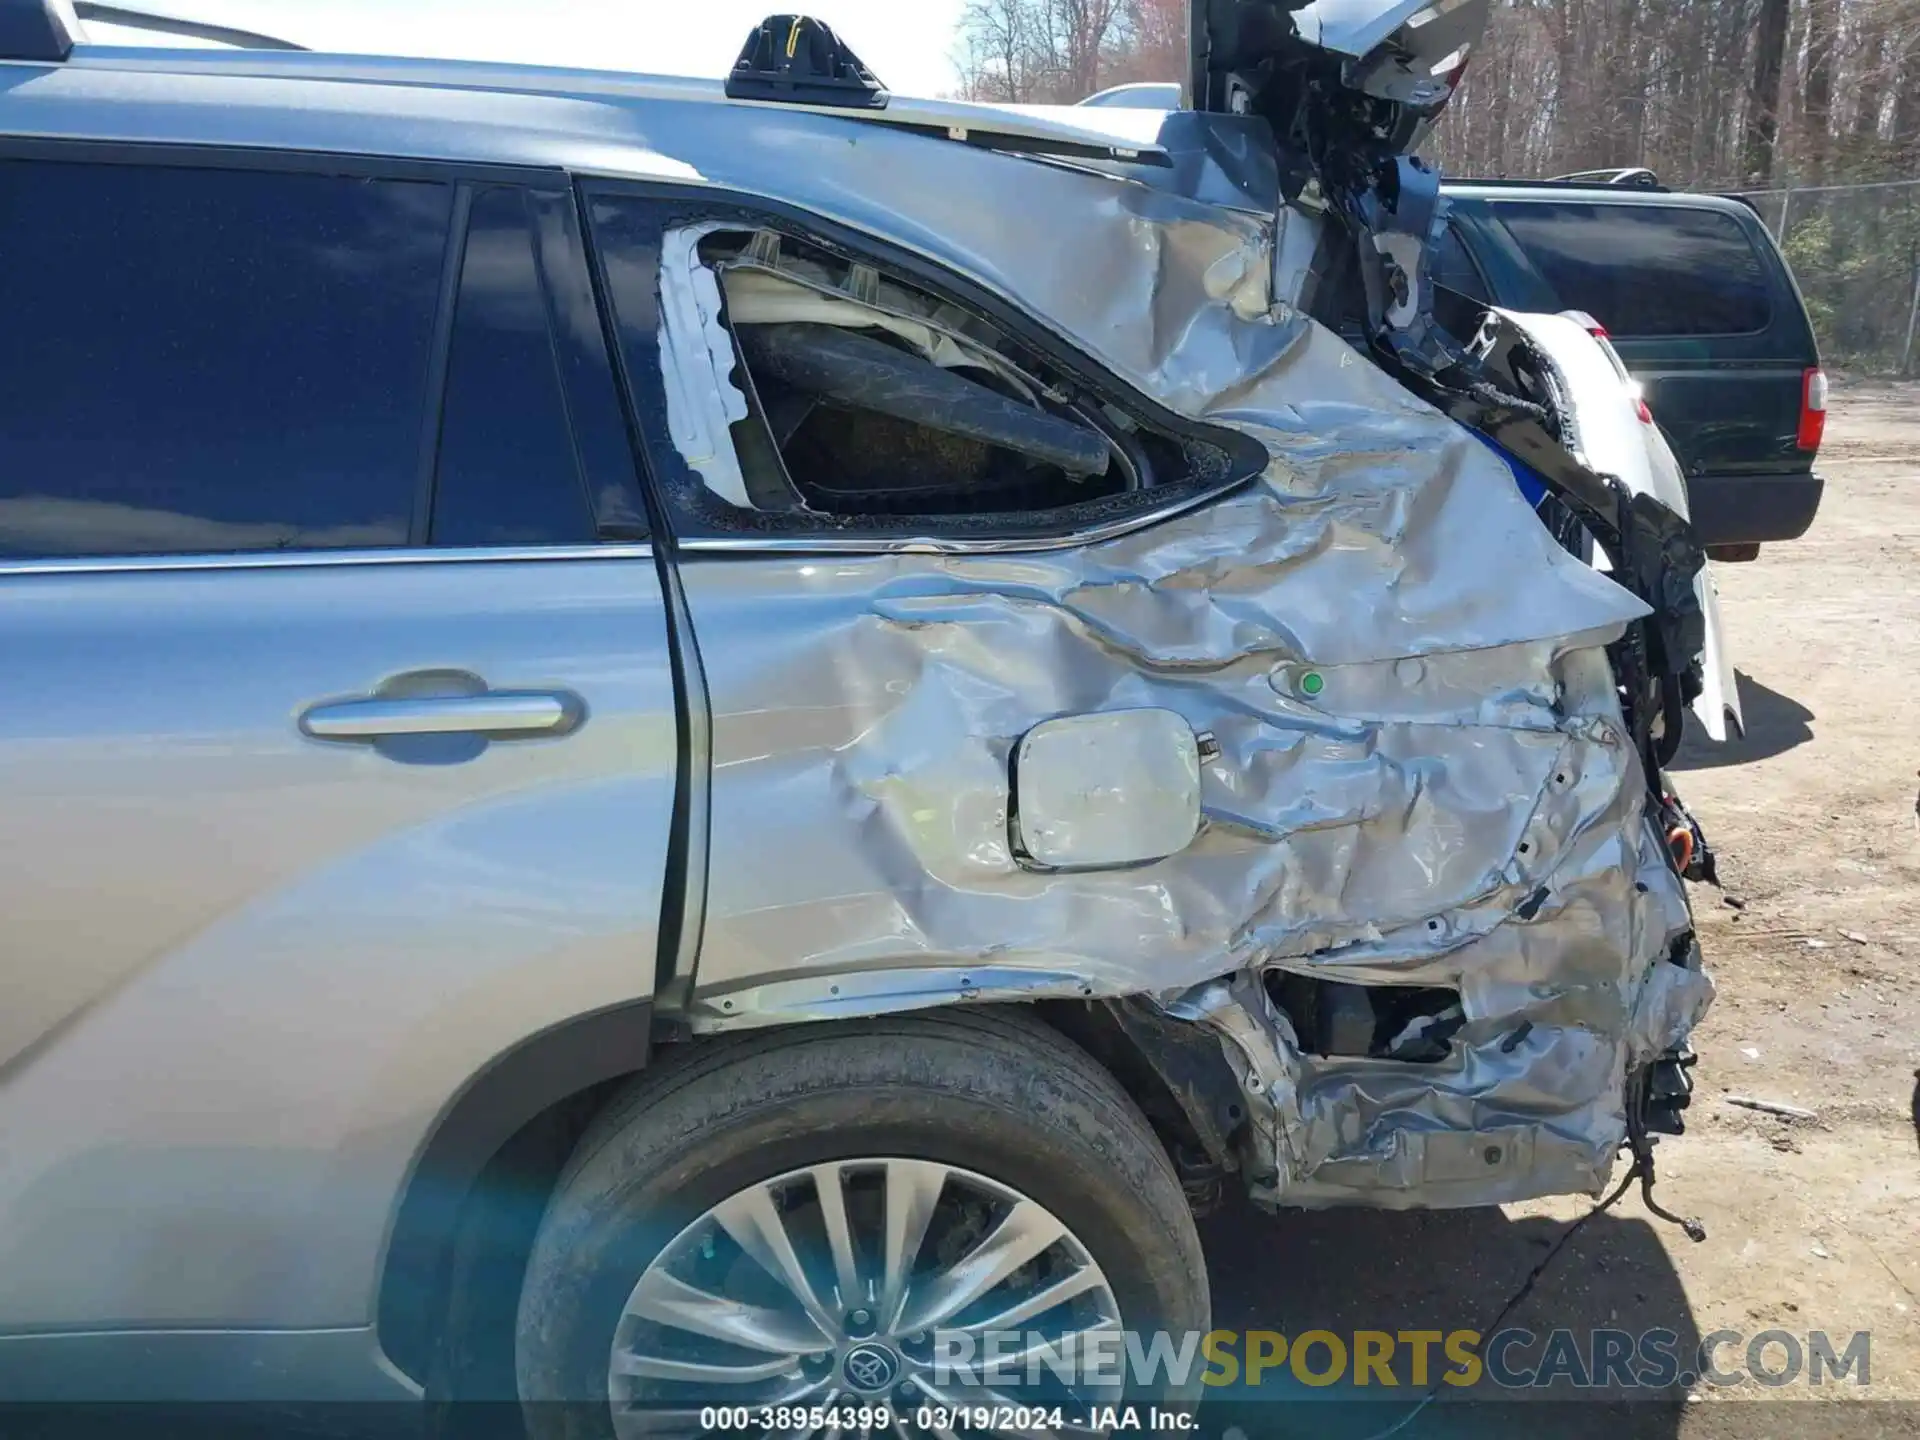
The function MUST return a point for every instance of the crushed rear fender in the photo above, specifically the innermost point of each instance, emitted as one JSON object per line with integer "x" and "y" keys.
{"x": 1417, "y": 781}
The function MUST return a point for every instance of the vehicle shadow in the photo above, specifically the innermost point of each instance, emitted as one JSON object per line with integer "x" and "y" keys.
{"x": 1776, "y": 723}
{"x": 1353, "y": 1270}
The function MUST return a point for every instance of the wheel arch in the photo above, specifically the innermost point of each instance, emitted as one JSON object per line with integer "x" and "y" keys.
{"x": 490, "y": 1143}
{"x": 465, "y": 1225}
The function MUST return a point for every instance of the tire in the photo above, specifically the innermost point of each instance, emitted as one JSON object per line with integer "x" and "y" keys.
{"x": 996, "y": 1095}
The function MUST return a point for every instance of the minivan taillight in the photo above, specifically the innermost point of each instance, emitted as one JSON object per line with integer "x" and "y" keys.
{"x": 1813, "y": 408}
{"x": 1599, "y": 332}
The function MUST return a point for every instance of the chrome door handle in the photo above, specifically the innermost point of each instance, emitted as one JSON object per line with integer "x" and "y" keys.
{"x": 500, "y": 713}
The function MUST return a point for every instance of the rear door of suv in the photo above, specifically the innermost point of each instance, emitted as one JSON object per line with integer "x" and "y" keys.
{"x": 339, "y": 746}
{"x": 1700, "y": 305}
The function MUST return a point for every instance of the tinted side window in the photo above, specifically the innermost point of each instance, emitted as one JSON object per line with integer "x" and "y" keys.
{"x": 1454, "y": 268}
{"x": 211, "y": 360}
{"x": 507, "y": 473}
{"x": 1646, "y": 270}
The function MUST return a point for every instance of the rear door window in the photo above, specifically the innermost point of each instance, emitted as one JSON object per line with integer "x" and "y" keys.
{"x": 212, "y": 360}
{"x": 1645, "y": 271}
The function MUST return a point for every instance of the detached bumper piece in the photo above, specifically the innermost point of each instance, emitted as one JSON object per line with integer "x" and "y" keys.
{"x": 1753, "y": 509}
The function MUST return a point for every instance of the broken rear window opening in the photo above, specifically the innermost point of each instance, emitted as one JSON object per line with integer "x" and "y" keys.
{"x": 800, "y": 384}
{"x": 857, "y": 396}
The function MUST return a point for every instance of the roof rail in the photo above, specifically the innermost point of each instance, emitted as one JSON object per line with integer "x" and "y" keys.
{"x": 1559, "y": 182}
{"x": 37, "y": 30}
{"x": 137, "y": 19}
{"x": 47, "y": 30}
{"x": 1637, "y": 177}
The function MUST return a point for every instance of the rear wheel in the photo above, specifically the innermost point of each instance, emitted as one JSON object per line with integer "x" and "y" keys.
{"x": 832, "y": 1216}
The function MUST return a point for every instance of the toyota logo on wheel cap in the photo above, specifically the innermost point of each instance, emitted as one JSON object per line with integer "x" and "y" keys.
{"x": 870, "y": 1368}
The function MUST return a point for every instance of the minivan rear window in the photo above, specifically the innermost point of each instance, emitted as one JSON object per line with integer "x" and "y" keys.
{"x": 1645, "y": 270}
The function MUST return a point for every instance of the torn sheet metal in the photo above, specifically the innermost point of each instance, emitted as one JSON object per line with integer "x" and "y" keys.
{"x": 1356, "y": 27}
{"x": 702, "y": 400}
{"x": 1421, "y": 774}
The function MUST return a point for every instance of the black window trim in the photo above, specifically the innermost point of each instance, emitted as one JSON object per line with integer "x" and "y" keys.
{"x": 673, "y": 206}
{"x": 616, "y": 483}
{"x": 319, "y": 559}
{"x": 539, "y": 238}
{"x": 259, "y": 157}
{"x": 453, "y": 265}
{"x": 1496, "y": 204}
{"x": 559, "y": 257}
{"x": 553, "y": 232}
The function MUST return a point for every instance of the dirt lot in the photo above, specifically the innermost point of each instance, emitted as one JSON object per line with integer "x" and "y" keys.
{"x": 1812, "y": 1225}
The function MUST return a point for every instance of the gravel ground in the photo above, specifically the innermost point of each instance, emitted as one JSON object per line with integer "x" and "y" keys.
{"x": 1812, "y": 1225}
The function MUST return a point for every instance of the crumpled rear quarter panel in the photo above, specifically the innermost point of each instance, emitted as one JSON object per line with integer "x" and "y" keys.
{"x": 1458, "y": 805}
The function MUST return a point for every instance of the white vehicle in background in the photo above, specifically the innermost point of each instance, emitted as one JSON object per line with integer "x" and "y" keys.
{"x": 1618, "y": 436}
{"x": 1141, "y": 95}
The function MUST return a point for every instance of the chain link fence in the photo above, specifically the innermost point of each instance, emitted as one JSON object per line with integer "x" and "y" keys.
{"x": 1855, "y": 249}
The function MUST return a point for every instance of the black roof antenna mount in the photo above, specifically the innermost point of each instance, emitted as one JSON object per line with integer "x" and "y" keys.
{"x": 798, "y": 60}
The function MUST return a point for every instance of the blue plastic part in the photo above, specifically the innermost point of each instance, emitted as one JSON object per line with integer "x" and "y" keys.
{"x": 1524, "y": 475}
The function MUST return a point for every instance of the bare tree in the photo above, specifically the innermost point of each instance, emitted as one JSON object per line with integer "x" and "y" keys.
{"x": 1818, "y": 110}
{"x": 1763, "y": 100}
{"x": 1710, "y": 93}
{"x": 1028, "y": 51}
{"x": 1150, "y": 43}
{"x": 1906, "y": 103}
{"x": 996, "y": 40}
{"x": 1086, "y": 28}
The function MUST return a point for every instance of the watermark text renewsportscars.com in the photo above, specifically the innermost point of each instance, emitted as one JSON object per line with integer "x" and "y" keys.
{"x": 1511, "y": 1359}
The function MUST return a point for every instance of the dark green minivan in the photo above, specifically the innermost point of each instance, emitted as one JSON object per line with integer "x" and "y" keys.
{"x": 1695, "y": 296}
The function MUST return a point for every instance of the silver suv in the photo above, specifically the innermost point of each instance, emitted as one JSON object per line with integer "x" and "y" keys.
{"x": 673, "y": 743}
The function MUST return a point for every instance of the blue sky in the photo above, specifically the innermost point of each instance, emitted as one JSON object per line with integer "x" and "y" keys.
{"x": 908, "y": 43}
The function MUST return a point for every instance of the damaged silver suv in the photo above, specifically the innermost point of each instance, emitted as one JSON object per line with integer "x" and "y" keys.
{"x": 671, "y": 741}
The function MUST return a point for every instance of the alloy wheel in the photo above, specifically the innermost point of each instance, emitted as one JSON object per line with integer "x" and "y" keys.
{"x": 831, "y": 1288}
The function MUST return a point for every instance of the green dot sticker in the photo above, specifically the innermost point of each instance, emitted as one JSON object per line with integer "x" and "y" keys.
{"x": 1312, "y": 683}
